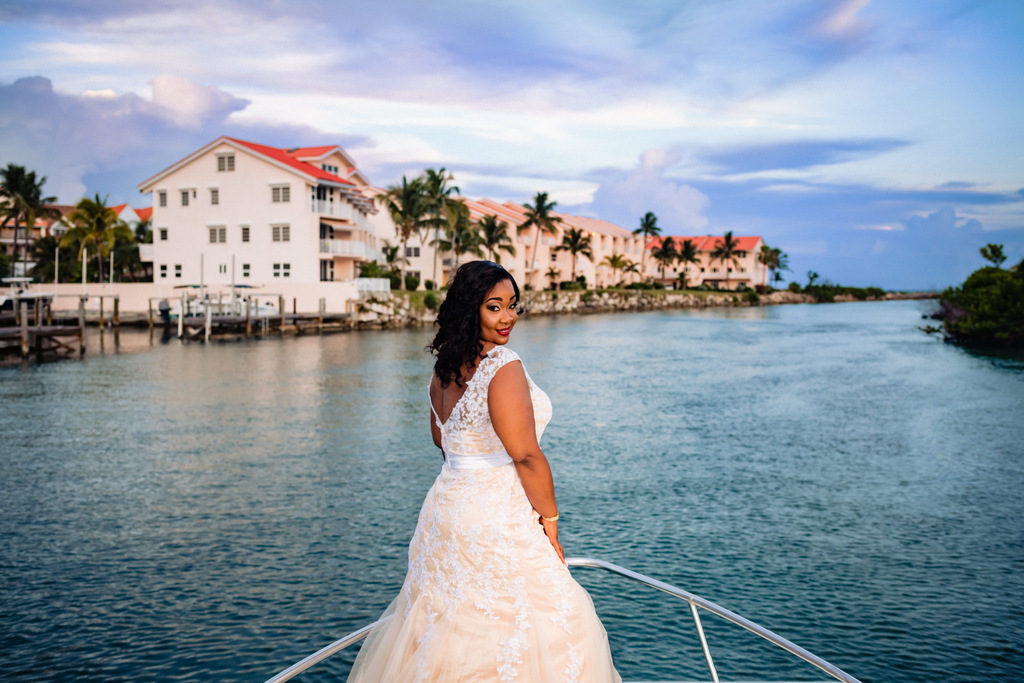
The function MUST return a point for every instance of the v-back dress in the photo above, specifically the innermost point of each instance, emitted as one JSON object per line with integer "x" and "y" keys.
{"x": 485, "y": 597}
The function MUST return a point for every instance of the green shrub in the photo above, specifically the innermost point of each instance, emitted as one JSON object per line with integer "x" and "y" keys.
{"x": 794, "y": 287}
{"x": 412, "y": 282}
{"x": 430, "y": 300}
{"x": 753, "y": 298}
{"x": 428, "y": 285}
{"x": 570, "y": 286}
{"x": 587, "y": 297}
{"x": 987, "y": 309}
{"x": 876, "y": 292}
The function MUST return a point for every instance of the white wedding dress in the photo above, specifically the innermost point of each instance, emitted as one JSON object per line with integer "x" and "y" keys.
{"x": 485, "y": 597}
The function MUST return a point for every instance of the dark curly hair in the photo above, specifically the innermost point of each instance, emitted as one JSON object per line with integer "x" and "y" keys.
{"x": 457, "y": 342}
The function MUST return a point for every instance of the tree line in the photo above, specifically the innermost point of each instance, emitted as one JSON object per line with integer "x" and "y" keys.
{"x": 93, "y": 229}
{"x": 429, "y": 204}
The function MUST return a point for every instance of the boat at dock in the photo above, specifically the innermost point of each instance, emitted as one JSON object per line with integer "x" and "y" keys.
{"x": 695, "y": 603}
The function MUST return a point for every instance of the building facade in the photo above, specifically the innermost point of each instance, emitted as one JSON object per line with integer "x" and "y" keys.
{"x": 746, "y": 271}
{"x": 239, "y": 212}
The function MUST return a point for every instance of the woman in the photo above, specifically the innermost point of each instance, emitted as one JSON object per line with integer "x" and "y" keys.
{"x": 487, "y": 596}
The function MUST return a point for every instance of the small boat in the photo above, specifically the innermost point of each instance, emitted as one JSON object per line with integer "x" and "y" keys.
{"x": 695, "y": 603}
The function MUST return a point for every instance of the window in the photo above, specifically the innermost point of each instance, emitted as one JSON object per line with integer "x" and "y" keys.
{"x": 245, "y": 233}
{"x": 412, "y": 252}
{"x": 226, "y": 162}
{"x": 327, "y": 271}
{"x": 329, "y": 168}
{"x": 163, "y": 234}
{"x": 280, "y": 233}
{"x": 161, "y": 197}
{"x": 222, "y": 268}
{"x": 245, "y": 270}
{"x": 280, "y": 194}
{"x": 184, "y": 197}
{"x": 214, "y": 196}
{"x": 163, "y": 270}
{"x": 177, "y": 270}
{"x": 282, "y": 269}
{"x": 554, "y": 256}
{"x": 218, "y": 233}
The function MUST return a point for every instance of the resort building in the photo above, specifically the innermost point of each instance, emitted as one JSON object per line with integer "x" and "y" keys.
{"x": 20, "y": 248}
{"x": 237, "y": 212}
{"x": 746, "y": 271}
{"x": 537, "y": 263}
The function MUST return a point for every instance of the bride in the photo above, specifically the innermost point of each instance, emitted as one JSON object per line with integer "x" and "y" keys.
{"x": 487, "y": 596}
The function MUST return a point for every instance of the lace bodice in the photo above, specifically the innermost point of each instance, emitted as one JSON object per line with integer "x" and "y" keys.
{"x": 467, "y": 436}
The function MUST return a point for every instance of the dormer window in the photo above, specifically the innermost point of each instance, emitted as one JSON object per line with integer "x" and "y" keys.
{"x": 226, "y": 162}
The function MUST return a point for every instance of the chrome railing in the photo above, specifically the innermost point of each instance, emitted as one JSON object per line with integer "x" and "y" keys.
{"x": 694, "y": 602}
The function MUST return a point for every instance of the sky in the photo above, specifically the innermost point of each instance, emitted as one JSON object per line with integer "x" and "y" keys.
{"x": 876, "y": 143}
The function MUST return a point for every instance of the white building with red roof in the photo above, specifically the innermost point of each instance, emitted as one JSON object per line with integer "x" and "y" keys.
{"x": 240, "y": 212}
{"x": 746, "y": 270}
{"x": 549, "y": 265}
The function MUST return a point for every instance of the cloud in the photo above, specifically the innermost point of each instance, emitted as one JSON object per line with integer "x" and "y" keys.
{"x": 191, "y": 105}
{"x": 796, "y": 154}
{"x": 623, "y": 197}
{"x": 107, "y": 142}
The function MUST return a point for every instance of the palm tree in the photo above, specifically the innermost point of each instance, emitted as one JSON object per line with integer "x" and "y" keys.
{"x": 438, "y": 196}
{"x": 24, "y": 203}
{"x": 576, "y": 242}
{"x": 666, "y": 254}
{"x": 687, "y": 254}
{"x": 96, "y": 227}
{"x": 648, "y": 228}
{"x": 766, "y": 257}
{"x": 494, "y": 237}
{"x": 811, "y": 277}
{"x": 727, "y": 252}
{"x": 616, "y": 262}
{"x": 408, "y": 205}
{"x": 553, "y": 274}
{"x": 461, "y": 235}
{"x": 538, "y": 217}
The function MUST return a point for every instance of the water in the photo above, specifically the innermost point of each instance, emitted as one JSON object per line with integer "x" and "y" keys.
{"x": 216, "y": 513}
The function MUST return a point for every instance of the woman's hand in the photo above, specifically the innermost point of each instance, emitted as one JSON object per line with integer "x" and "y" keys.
{"x": 551, "y": 529}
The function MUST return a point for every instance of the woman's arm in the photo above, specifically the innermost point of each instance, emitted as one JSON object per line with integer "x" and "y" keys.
{"x": 434, "y": 397}
{"x": 511, "y": 409}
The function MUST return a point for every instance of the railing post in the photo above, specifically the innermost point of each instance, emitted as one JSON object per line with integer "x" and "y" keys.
{"x": 81, "y": 325}
{"x": 703, "y": 642}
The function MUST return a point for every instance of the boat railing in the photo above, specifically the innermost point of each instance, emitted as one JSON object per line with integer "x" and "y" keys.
{"x": 695, "y": 602}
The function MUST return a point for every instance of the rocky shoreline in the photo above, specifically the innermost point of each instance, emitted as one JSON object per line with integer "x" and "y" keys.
{"x": 402, "y": 310}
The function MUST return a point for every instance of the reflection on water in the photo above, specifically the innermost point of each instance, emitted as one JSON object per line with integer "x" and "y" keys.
{"x": 218, "y": 511}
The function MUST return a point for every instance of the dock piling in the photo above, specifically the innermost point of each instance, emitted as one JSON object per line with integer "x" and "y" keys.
{"x": 248, "y": 316}
{"x": 24, "y": 328}
{"x": 81, "y": 324}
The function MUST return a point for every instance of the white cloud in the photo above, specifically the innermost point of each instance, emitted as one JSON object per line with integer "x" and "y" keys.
{"x": 625, "y": 197}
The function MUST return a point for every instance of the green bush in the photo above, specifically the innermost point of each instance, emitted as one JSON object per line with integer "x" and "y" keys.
{"x": 876, "y": 292}
{"x": 570, "y": 286}
{"x": 430, "y": 300}
{"x": 987, "y": 309}
{"x": 428, "y": 285}
{"x": 753, "y": 298}
{"x": 794, "y": 287}
{"x": 411, "y": 282}
{"x": 588, "y": 296}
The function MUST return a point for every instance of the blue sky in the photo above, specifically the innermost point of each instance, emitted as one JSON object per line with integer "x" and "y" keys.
{"x": 877, "y": 143}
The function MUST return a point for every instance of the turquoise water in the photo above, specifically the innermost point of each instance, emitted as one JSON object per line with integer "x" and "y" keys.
{"x": 216, "y": 513}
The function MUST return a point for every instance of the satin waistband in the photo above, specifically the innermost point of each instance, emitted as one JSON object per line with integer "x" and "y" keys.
{"x": 456, "y": 461}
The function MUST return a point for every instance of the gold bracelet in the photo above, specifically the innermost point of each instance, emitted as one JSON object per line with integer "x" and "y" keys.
{"x": 550, "y": 519}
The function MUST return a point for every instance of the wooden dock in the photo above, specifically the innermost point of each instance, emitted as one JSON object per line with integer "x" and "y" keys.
{"x": 34, "y": 334}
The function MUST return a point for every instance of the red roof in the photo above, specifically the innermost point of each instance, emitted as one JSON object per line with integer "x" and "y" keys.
{"x": 301, "y": 152}
{"x": 708, "y": 242}
{"x": 288, "y": 158}
{"x": 145, "y": 213}
{"x": 119, "y": 208}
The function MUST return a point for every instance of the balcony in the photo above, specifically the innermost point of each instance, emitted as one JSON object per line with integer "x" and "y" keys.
{"x": 348, "y": 248}
{"x": 146, "y": 253}
{"x": 341, "y": 210}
